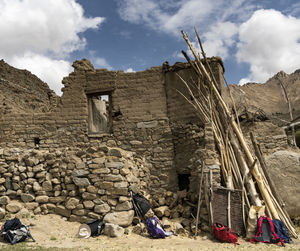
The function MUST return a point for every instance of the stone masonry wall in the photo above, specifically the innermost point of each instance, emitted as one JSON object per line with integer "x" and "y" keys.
{"x": 80, "y": 185}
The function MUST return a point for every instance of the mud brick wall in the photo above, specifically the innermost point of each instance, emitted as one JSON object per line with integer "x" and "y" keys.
{"x": 151, "y": 119}
{"x": 270, "y": 137}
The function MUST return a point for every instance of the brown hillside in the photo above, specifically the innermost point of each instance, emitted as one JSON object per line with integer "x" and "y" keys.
{"x": 268, "y": 97}
{"x": 21, "y": 91}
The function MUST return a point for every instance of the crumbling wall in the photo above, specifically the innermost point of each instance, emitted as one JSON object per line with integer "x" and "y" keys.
{"x": 270, "y": 137}
{"x": 148, "y": 117}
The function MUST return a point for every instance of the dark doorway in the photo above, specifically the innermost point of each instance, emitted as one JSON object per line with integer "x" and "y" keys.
{"x": 184, "y": 182}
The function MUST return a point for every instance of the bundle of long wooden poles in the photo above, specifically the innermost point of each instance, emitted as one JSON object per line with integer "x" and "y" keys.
{"x": 239, "y": 168}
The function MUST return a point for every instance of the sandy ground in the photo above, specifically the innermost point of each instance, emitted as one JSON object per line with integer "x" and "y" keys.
{"x": 53, "y": 231}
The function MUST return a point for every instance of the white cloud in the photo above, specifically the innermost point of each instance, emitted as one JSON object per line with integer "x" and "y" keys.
{"x": 244, "y": 81}
{"x": 129, "y": 70}
{"x": 211, "y": 17}
{"x": 173, "y": 15}
{"x": 219, "y": 39}
{"x": 101, "y": 63}
{"x": 269, "y": 42}
{"x": 48, "y": 30}
{"x": 49, "y": 70}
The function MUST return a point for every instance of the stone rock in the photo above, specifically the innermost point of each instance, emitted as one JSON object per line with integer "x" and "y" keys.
{"x": 102, "y": 209}
{"x": 26, "y": 197}
{"x": 115, "y": 152}
{"x": 88, "y": 204}
{"x": 123, "y": 219}
{"x": 113, "y": 230}
{"x": 22, "y": 169}
{"x": 11, "y": 193}
{"x": 37, "y": 210}
{"x": 135, "y": 142}
{"x": 80, "y": 212}
{"x": 31, "y": 205}
{"x": 121, "y": 184}
{"x": 42, "y": 199}
{"x": 80, "y": 173}
{"x": 72, "y": 203}
{"x": 4, "y": 200}
{"x": 2, "y": 213}
{"x": 147, "y": 124}
{"x": 83, "y": 65}
{"x": 112, "y": 177}
{"x": 47, "y": 186}
{"x": 61, "y": 210}
{"x": 125, "y": 206}
{"x": 92, "y": 189}
{"x": 81, "y": 182}
{"x": 13, "y": 207}
{"x": 117, "y": 165}
{"x": 24, "y": 212}
{"x": 131, "y": 178}
{"x": 284, "y": 169}
{"x": 89, "y": 196}
{"x": 2, "y": 181}
{"x": 36, "y": 187}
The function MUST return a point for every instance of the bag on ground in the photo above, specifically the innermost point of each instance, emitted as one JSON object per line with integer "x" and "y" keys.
{"x": 14, "y": 231}
{"x": 96, "y": 227}
{"x": 254, "y": 213}
{"x": 266, "y": 232}
{"x": 141, "y": 204}
{"x": 224, "y": 233}
{"x": 156, "y": 229}
{"x": 281, "y": 230}
{"x": 92, "y": 228}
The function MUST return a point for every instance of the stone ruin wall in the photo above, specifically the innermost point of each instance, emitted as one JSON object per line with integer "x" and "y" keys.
{"x": 154, "y": 136}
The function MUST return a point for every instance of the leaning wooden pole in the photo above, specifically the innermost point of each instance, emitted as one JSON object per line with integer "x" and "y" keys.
{"x": 255, "y": 171}
{"x": 199, "y": 199}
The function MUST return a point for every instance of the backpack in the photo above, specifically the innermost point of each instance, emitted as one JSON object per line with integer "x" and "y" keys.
{"x": 266, "y": 232}
{"x": 224, "y": 233}
{"x": 14, "y": 231}
{"x": 156, "y": 229}
{"x": 141, "y": 204}
{"x": 96, "y": 227}
{"x": 281, "y": 230}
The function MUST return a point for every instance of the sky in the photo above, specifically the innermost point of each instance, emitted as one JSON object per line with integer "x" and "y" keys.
{"x": 255, "y": 38}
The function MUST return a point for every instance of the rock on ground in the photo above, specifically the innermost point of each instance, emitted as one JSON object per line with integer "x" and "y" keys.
{"x": 123, "y": 219}
{"x": 113, "y": 230}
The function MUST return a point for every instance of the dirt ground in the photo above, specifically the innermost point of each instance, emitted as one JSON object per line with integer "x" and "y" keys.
{"x": 52, "y": 231}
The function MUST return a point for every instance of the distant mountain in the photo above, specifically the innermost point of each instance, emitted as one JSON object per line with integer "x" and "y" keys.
{"x": 21, "y": 91}
{"x": 268, "y": 97}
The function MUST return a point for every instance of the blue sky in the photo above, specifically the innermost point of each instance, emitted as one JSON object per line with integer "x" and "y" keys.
{"x": 255, "y": 39}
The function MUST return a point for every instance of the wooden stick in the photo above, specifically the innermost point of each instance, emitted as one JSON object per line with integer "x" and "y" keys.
{"x": 211, "y": 197}
{"x": 199, "y": 199}
{"x": 207, "y": 200}
{"x": 255, "y": 171}
{"x": 271, "y": 184}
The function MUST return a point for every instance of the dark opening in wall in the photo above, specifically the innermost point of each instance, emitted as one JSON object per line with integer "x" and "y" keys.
{"x": 184, "y": 182}
{"x": 99, "y": 112}
{"x": 37, "y": 142}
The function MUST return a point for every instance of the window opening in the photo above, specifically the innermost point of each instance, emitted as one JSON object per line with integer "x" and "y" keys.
{"x": 99, "y": 108}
